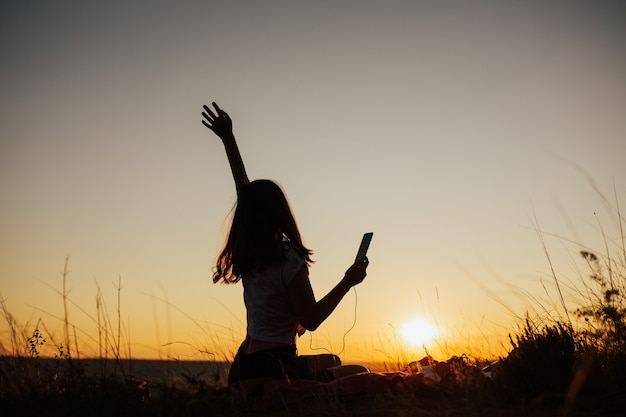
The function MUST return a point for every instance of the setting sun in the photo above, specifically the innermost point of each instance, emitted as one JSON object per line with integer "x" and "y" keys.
{"x": 418, "y": 331}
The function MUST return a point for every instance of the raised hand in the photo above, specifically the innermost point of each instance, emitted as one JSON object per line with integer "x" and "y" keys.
{"x": 219, "y": 121}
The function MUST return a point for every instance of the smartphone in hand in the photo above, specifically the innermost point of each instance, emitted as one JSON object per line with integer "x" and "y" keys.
{"x": 365, "y": 244}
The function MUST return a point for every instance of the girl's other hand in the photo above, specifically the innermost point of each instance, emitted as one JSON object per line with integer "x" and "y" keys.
{"x": 357, "y": 272}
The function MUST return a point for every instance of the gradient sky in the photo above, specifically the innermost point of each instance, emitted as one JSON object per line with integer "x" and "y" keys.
{"x": 443, "y": 127}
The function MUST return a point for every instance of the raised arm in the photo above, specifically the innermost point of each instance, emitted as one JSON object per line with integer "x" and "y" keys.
{"x": 219, "y": 122}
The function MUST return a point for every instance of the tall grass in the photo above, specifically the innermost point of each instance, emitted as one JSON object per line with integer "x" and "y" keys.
{"x": 577, "y": 345}
{"x": 565, "y": 359}
{"x": 45, "y": 374}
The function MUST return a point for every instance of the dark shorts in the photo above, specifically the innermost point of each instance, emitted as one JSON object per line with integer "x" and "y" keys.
{"x": 283, "y": 363}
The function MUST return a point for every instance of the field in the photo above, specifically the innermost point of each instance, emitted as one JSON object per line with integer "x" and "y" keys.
{"x": 567, "y": 364}
{"x": 63, "y": 387}
{"x": 550, "y": 370}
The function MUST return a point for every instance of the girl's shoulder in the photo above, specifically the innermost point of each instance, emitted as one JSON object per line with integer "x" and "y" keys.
{"x": 292, "y": 251}
{"x": 294, "y": 257}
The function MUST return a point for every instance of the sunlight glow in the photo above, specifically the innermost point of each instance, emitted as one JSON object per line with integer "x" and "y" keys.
{"x": 418, "y": 331}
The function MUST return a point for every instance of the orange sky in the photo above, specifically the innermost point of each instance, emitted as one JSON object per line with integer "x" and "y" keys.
{"x": 443, "y": 127}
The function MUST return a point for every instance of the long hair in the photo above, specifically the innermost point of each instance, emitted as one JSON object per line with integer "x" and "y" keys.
{"x": 261, "y": 223}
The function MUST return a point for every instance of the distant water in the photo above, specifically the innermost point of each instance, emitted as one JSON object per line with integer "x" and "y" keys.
{"x": 171, "y": 372}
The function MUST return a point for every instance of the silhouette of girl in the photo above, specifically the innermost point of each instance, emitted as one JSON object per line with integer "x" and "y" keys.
{"x": 265, "y": 251}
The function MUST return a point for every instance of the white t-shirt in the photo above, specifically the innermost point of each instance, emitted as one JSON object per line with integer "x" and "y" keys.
{"x": 269, "y": 313}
